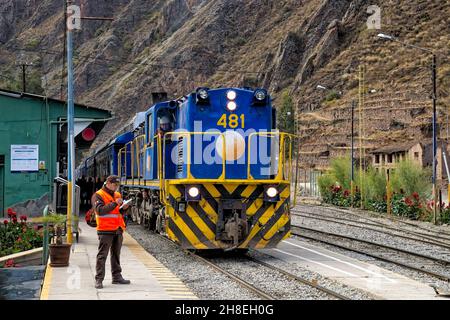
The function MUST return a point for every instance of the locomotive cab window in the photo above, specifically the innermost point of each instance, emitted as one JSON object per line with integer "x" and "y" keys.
{"x": 165, "y": 122}
{"x": 149, "y": 129}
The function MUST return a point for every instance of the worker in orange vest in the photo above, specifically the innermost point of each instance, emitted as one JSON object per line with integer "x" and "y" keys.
{"x": 110, "y": 226}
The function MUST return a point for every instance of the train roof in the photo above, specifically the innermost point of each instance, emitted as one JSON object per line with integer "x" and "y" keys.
{"x": 122, "y": 139}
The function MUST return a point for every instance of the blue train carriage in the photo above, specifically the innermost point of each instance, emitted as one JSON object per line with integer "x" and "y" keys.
{"x": 104, "y": 161}
{"x": 218, "y": 175}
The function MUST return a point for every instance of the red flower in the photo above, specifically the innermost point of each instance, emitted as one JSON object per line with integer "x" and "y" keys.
{"x": 14, "y": 219}
{"x": 408, "y": 202}
{"x": 415, "y": 195}
{"x": 11, "y": 213}
{"x": 23, "y": 218}
{"x": 9, "y": 263}
{"x": 5, "y": 222}
{"x": 346, "y": 193}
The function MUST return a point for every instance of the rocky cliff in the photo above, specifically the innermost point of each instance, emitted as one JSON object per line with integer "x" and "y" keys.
{"x": 293, "y": 45}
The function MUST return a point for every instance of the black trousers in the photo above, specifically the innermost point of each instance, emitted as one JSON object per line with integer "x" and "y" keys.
{"x": 109, "y": 242}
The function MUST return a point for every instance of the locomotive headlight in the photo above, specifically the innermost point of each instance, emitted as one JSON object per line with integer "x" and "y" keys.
{"x": 271, "y": 194}
{"x": 260, "y": 95}
{"x": 231, "y": 105}
{"x": 203, "y": 93}
{"x": 202, "y": 96}
{"x": 192, "y": 193}
{"x": 231, "y": 95}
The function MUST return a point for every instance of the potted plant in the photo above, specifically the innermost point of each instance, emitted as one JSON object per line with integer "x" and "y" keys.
{"x": 59, "y": 251}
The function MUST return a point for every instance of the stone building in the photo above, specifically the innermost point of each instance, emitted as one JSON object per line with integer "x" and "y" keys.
{"x": 386, "y": 158}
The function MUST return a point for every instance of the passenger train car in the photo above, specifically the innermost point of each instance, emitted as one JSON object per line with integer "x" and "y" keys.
{"x": 217, "y": 177}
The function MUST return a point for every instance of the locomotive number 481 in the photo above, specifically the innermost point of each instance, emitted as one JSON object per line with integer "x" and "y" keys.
{"x": 232, "y": 121}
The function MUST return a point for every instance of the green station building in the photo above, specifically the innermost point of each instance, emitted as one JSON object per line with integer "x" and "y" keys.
{"x": 33, "y": 145}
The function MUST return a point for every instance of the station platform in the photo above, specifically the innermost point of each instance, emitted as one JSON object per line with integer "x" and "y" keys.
{"x": 380, "y": 283}
{"x": 150, "y": 279}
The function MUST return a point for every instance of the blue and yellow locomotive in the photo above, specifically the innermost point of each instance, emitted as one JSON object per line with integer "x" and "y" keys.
{"x": 210, "y": 171}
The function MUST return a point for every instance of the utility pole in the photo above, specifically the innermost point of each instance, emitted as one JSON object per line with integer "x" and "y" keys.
{"x": 361, "y": 89}
{"x": 434, "y": 98}
{"x": 24, "y": 82}
{"x": 73, "y": 22}
{"x": 23, "y": 65}
{"x": 70, "y": 131}
{"x": 352, "y": 156}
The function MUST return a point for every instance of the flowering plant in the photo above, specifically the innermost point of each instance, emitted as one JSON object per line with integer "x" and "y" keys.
{"x": 18, "y": 236}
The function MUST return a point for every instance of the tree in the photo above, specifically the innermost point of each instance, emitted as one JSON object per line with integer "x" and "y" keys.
{"x": 285, "y": 114}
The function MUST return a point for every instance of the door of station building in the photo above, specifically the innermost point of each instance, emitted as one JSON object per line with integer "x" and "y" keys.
{"x": 2, "y": 185}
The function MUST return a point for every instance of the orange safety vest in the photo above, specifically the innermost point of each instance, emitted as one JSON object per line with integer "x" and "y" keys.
{"x": 113, "y": 220}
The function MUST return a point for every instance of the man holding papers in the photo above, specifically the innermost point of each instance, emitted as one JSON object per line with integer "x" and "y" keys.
{"x": 109, "y": 209}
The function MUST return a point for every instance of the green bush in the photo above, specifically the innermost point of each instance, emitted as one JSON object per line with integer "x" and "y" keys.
{"x": 332, "y": 95}
{"x": 375, "y": 185}
{"x": 341, "y": 171}
{"x": 325, "y": 181}
{"x": 410, "y": 187}
{"x": 408, "y": 177}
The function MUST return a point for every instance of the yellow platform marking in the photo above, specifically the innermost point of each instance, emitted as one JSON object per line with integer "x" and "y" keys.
{"x": 47, "y": 282}
{"x": 156, "y": 268}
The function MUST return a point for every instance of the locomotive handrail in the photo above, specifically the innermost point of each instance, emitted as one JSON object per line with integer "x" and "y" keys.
{"x": 280, "y": 176}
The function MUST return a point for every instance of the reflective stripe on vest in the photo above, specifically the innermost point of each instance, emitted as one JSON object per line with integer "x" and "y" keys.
{"x": 113, "y": 220}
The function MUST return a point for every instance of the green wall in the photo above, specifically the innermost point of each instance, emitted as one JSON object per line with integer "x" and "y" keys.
{"x": 29, "y": 120}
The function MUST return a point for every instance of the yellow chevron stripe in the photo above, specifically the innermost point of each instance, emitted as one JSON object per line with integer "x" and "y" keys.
{"x": 277, "y": 226}
{"x": 209, "y": 210}
{"x": 288, "y": 235}
{"x": 174, "y": 192}
{"x": 248, "y": 191}
{"x": 255, "y": 206}
{"x": 192, "y": 238}
{"x": 264, "y": 218}
{"x": 230, "y": 187}
{"x": 196, "y": 220}
{"x": 169, "y": 232}
{"x": 212, "y": 190}
{"x": 201, "y": 225}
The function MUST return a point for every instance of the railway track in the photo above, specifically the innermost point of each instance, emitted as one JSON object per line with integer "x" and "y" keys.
{"x": 376, "y": 250}
{"x": 232, "y": 276}
{"x": 255, "y": 290}
{"x": 373, "y": 227}
{"x": 425, "y": 233}
{"x": 443, "y": 235}
{"x": 301, "y": 280}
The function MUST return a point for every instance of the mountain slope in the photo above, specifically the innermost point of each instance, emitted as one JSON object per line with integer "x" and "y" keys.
{"x": 294, "y": 45}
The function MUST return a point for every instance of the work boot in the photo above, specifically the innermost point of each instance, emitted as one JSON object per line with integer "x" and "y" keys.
{"x": 121, "y": 281}
{"x": 98, "y": 284}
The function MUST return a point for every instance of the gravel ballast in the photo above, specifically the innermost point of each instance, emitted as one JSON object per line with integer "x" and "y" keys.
{"x": 207, "y": 283}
